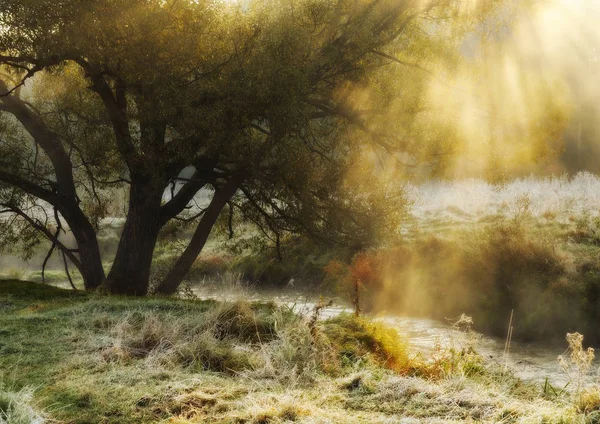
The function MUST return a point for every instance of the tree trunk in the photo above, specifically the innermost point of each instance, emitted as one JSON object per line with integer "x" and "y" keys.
{"x": 130, "y": 273}
{"x": 91, "y": 261}
{"x": 87, "y": 244}
{"x": 177, "y": 273}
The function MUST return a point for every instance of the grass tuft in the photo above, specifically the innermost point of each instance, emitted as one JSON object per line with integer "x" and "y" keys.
{"x": 356, "y": 338}
{"x": 17, "y": 407}
{"x": 588, "y": 401}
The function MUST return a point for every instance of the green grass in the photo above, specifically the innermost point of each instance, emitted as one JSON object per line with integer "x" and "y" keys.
{"x": 92, "y": 359}
{"x": 53, "y": 277}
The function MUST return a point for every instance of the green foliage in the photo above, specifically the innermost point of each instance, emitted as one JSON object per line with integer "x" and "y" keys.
{"x": 297, "y": 115}
{"x": 301, "y": 261}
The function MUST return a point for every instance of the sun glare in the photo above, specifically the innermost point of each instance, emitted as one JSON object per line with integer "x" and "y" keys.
{"x": 527, "y": 82}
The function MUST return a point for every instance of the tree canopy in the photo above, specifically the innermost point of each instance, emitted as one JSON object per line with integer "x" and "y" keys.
{"x": 297, "y": 114}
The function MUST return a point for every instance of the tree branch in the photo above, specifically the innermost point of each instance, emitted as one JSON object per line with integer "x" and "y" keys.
{"x": 377, "y": 136}
{"x": 178, "y": 202}
{"x": 116, "y": 107}
{"x": 28, "y": 187}
{"x": 45, "y": 137}
{"x": 41, "y": 228}
{"x": 401, "y": 62}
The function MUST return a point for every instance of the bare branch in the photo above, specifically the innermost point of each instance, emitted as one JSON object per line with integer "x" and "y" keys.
{"x": 41, "y": 228}
{"x": 58, "y": 228}
{"x": 67, "y": 271}
{"x": 401, "y": 62}
{"x": 46, "y": 139}
{"x": 28, "y": 187}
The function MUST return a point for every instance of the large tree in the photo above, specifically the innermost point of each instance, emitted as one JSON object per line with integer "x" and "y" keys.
{"x": 286, "y": 111}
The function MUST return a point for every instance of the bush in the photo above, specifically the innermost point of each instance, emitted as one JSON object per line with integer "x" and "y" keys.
{"x": 16, "y": 273}
{"x": 486, "y": 273}
{"x": 209, "y": 265}
{"x": 301, "y": 261}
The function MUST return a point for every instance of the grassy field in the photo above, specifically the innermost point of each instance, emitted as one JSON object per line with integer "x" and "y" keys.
{"x": 77, "y": 358}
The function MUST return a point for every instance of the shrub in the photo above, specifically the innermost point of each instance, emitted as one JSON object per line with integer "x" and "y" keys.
{"x": 577, "y": 364}
{"x": 484, "y": 272}
{"x": 457, "y": 355}
{"x": 16, "y": 273}
{"x": 209, "y": 265}
{"x": 301, "y": 263}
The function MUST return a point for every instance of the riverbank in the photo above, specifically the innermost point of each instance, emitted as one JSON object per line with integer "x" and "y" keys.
{"x": 78, "y": 358}
{"x": 530, "y": 246}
